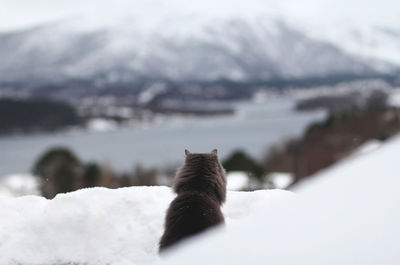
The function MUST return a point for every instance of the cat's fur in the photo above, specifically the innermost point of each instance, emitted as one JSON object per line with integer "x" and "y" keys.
{"x": 200, "y": 185}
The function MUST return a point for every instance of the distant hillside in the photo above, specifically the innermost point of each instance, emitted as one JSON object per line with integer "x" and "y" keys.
{"x": 327, "y": 142}
{"x": 35, "y": 115}
{"x": 144, "y": 91}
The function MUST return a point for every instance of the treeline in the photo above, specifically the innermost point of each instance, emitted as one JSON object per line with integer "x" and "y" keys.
{"x": 59, "y": 170}
{"x": 35, "y": 115}
{"x": 355, "y": 101}
{"x": 329, "y": 141}
{"x": 351, "y": 122}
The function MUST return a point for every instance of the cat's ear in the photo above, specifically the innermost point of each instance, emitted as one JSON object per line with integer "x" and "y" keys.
{"x": 187, "y": 152}
{"x": 215, "y": 152}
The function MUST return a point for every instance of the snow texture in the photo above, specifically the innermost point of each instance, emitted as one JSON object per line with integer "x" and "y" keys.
{"x": 101, "y": 226}
{"x": 348, "y": 214}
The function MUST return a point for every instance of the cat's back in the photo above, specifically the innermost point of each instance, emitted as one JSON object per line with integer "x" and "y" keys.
{"x": 200, "y": 185}
{"x": 190, "y": 213}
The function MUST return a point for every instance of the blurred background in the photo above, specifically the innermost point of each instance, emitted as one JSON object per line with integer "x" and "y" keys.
{"x": 110, "y": 93}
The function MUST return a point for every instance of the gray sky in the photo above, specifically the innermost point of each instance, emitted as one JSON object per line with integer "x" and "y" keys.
{"x": 17, "y": 14}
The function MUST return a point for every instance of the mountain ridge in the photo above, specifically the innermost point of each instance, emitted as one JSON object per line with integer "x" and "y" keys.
{"x": 233, "y": 49}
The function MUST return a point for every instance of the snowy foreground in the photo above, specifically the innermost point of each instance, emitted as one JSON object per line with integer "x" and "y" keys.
{"x": 102, "y": 226}
{"x": 348, "y": 214}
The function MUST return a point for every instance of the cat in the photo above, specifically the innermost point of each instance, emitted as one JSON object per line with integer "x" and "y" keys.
{"x": 200, "y": 185}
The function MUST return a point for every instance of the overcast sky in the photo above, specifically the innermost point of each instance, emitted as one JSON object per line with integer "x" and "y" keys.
{"x": 17, "y": 14}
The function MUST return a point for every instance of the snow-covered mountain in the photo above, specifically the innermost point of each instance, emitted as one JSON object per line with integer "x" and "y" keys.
{"x": 178, "y": 41}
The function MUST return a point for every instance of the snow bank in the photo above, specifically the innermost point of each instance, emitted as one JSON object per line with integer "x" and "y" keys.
{"x": 101, "y": 226}
{"x": 18, "y": 185}
{"x": 348, "y": 214}
{"x": 281, "y": 180}
{"x": 237, "y": 180}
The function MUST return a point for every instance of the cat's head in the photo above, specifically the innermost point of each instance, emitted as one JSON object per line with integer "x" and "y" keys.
{"x": 206, "y": 160}
{"x": 204, "y": 172}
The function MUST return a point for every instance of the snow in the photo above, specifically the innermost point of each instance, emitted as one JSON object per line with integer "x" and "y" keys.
{"x": 102, "y": 226}
{"x": 281, "y": 180}
{"x": 237, "y": 180}
{"x": 151, "y": 92}
{"x": 394, "y": 98}
{"x": 368, "y": 146}
{"x": 18, "y": 184}
{"x": 101, "y": 125}
{"x": 347, "y": 214}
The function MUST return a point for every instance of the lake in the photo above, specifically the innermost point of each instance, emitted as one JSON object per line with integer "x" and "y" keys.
{"x": 254, "y": 127}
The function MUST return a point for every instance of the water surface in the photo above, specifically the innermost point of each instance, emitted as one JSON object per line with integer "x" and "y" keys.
{"x": 255, "y": 127}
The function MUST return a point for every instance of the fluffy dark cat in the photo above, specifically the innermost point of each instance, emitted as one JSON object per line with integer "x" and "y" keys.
{"x": 200, "y": 185}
